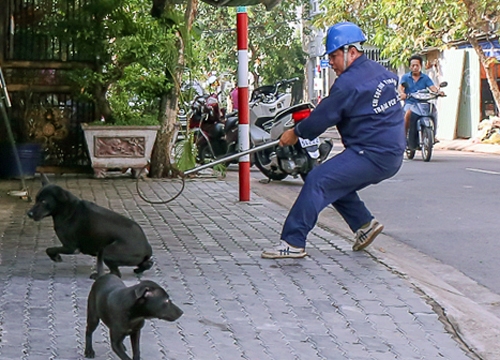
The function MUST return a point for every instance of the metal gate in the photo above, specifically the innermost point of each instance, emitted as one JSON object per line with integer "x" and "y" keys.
{"x": 36, "y": 65}
{"x": 374, "y": 54}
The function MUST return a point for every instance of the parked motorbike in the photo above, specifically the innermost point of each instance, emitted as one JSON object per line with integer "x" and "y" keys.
{"x": 265, "y": 102}
{"x": 274, "y": 161}
{"x": 278, "y": 162}
{"x": 217, "y": 133}
{"x": 422, "y": 123}
{"x": 182, "y": 123}
{"x": 190, "y": 89}
{"x": 207, "y": 119}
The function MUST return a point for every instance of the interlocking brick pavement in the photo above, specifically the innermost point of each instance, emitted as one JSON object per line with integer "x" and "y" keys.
{"x": 333, "y": 304}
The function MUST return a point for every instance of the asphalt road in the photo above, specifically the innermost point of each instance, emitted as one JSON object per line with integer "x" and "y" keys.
{"x": 448, "y": 209}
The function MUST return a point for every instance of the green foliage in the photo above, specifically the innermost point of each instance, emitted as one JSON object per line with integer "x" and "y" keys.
{"x": 401, "y": 28}
{"x": 284, "y": 63}
{"x": 185, "y": 153}
{"x": 220, "y": 170}
{"x": 274, "y": 43}
{"x": 130, "y": 51}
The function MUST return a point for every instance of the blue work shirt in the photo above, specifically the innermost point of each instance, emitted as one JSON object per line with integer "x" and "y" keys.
{"x": 363, "y": 103}
{"x": 422, "y": 83}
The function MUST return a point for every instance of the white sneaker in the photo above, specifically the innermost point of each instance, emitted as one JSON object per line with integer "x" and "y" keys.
{"x": 284, "y": 250}
{"x": 366, "y": 235}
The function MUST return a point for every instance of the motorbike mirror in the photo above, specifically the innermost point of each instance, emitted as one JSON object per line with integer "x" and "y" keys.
{"x": 443, "y": 84}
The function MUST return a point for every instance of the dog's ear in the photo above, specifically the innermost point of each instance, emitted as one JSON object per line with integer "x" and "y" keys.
{"x": 60, "y": 194}
{"x": 143, "y": 291}
{"x": 45, "y": 179}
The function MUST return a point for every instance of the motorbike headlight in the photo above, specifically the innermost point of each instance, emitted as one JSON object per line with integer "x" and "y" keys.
{"x": 423, "y": 96}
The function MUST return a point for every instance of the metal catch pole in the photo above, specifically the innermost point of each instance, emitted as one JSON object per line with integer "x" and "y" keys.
{"x": 231, "y": 157}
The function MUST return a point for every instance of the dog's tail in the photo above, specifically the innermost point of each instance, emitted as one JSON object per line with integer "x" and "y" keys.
{"x": 146, "y": 264}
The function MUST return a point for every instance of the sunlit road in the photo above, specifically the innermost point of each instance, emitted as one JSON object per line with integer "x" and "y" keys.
{"x": 447, "y": 208}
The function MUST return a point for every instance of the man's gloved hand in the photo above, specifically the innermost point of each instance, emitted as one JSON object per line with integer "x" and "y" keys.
{"x": 288, "y": 138}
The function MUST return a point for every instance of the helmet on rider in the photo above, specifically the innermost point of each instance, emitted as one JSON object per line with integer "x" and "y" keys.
{"x": 342, "y": 34}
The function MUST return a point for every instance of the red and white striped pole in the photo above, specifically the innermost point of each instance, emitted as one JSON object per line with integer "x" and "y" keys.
{"x": 243, "y": 110}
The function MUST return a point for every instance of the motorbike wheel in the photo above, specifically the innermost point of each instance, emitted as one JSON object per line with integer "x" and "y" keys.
{"x": 261, "y": 159}
{"x": 410, "y": 154}
{"x": 427, "y": 142}
{"x": 204, "y": 154}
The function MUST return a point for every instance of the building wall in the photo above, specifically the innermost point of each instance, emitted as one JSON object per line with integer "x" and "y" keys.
{"x": 469, "y": 114}
{"x": 460, "y": 111}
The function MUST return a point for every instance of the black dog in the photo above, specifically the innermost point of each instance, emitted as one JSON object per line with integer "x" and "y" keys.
{"x": 123, "y": 309}
{"x": 85, "y": 227}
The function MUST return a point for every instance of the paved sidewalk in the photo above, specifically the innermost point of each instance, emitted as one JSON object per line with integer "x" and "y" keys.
{"x": 468, "y": 146}
{"x": 334, "y": 304}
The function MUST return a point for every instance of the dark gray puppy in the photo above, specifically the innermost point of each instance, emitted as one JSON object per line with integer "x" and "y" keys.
{"x": 123, "y": 309}
{"x": 83, "y": 226}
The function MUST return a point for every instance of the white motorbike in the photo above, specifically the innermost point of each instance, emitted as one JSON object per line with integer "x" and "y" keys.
{"x": 270, "y": 116}
{"x": 265, "y": 102}
{"x": 277, "y": 162}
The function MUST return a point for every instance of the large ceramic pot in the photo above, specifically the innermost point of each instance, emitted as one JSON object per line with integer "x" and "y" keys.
{"x": 119, "y": 147}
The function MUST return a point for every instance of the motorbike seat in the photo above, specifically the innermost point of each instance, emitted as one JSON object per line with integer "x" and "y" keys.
{"x": 232, "y": 113}
{"x": 217, "y": 131}
{"x": 231, "y": 122}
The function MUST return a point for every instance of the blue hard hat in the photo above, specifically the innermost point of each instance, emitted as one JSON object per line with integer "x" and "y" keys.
{"x": 341, "y": 34}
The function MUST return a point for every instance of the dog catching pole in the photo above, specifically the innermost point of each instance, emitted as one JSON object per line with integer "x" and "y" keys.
{"x": 231, "y": 157}
{"x": 206, "y": 166}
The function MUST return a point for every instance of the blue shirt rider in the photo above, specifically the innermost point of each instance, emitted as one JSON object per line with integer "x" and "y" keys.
{"x": 364, "y": 106}
{"x": 416, "y": 80}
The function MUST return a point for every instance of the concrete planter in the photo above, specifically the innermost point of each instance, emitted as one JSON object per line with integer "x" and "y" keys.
{"x": 119, "y": 147}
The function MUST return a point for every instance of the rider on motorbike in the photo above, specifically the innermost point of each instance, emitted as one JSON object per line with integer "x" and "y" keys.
{"x": 415, "y": 80}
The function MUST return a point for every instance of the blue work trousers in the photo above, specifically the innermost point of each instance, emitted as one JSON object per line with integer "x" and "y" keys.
{"x": 336, "y": 182}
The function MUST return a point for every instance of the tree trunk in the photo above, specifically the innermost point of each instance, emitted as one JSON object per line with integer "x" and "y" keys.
{"x": 190, "y": 14}
{"x": 161, "y": 159}
{"x": 489, "y": 68}
{"x": 252, "y": 60}
{"x": 102, "y": 104}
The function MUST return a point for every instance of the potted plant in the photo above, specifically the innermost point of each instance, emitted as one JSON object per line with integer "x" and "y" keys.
{"x": 119, "y": 147}
{"x": 125, "y": 135}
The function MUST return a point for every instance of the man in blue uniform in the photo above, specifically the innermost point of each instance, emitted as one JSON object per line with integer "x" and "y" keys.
{"x": 364, "y": 105}
{"x": 415, "y": 80}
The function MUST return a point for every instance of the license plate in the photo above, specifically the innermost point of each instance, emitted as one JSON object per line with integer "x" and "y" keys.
{"x": 306, "y": 142}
